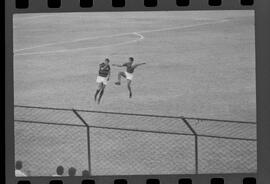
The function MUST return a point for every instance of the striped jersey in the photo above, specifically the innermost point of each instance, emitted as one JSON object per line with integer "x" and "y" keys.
{"x": 104, "y": 70}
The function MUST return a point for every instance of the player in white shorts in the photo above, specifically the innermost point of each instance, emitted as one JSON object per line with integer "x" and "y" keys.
{"x": 128, "y": 74}
{"x": 102, "y": 78}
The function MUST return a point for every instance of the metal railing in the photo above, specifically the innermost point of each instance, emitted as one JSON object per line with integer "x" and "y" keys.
{"x": 112, "y": 143}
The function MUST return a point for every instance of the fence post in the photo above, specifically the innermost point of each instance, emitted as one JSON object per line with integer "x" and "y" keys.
{"x": 196, "y": 155}
{"x": 88, "y": 139}
{"x": 196, "y": 144}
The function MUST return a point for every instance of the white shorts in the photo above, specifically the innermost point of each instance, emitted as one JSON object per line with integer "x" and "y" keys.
{"x": 129, "y": 76}
{"x": 103, "y": 80}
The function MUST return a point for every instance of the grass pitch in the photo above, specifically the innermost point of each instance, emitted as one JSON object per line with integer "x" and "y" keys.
{"x": 199, "y": 64}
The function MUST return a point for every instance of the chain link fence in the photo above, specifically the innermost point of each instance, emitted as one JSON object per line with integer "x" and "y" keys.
{"x": 109, "y": 143}
{"x": 42, "y": 147}
{"x": 218, "y": 155}
{"x": 115, "y": 152}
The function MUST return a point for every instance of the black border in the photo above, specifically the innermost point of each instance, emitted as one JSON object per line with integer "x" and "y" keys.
{"x": 262, "y": 19}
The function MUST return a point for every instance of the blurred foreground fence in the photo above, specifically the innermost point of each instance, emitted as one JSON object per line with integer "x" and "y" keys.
{"x": 110, "y": 143}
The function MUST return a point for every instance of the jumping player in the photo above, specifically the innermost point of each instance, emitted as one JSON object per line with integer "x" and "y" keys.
{"x": 102, "y": 78}
{"x": 128, "y": 74}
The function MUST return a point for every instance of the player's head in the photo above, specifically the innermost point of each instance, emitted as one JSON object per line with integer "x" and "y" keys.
{"x": 107, "y": 61}
{"x": 18, "y": 165}
{"x": 60, "y": 170}
{"x": 131, "y": 60}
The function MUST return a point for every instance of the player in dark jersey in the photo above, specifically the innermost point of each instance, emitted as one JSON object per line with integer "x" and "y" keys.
{"x": 102, "y": 78}
{"x": 128, "y": 74}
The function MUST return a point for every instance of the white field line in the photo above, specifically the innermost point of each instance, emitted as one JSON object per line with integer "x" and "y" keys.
{"x": 107, "y": 36}
{"x": 86, "y": 48}
{"x": 182, "y": 27}
{"x": 73, "y": 41}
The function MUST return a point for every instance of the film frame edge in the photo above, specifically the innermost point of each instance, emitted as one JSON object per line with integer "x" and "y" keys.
{"x": 256, "y": 7}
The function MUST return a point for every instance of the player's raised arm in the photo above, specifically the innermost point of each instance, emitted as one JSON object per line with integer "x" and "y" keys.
{"x": 102, "y": 66}
{"x": 125, "y": 64}
{"x": 117, "y": 65}
{"x": 139, "y": 64}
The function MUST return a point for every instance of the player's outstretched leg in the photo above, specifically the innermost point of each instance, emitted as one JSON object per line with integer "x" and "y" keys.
{"x": 101, "y": 94}
{"x": 129, "y": 88}
{"x": 120, "y": 74}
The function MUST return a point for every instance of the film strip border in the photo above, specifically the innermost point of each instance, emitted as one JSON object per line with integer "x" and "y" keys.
{"x": 27, "y": 6}
{"x": 146, "y": 180}
{"x": 127, "y": 5}
{"x": 23, "y": 4}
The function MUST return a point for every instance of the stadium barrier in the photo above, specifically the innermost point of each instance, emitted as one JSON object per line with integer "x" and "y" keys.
{"x": 112, "y": 143}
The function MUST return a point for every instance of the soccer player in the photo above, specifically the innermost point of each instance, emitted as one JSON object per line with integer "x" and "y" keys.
{"x": 102, "y": 78}
{"x": 128, "y": 74}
